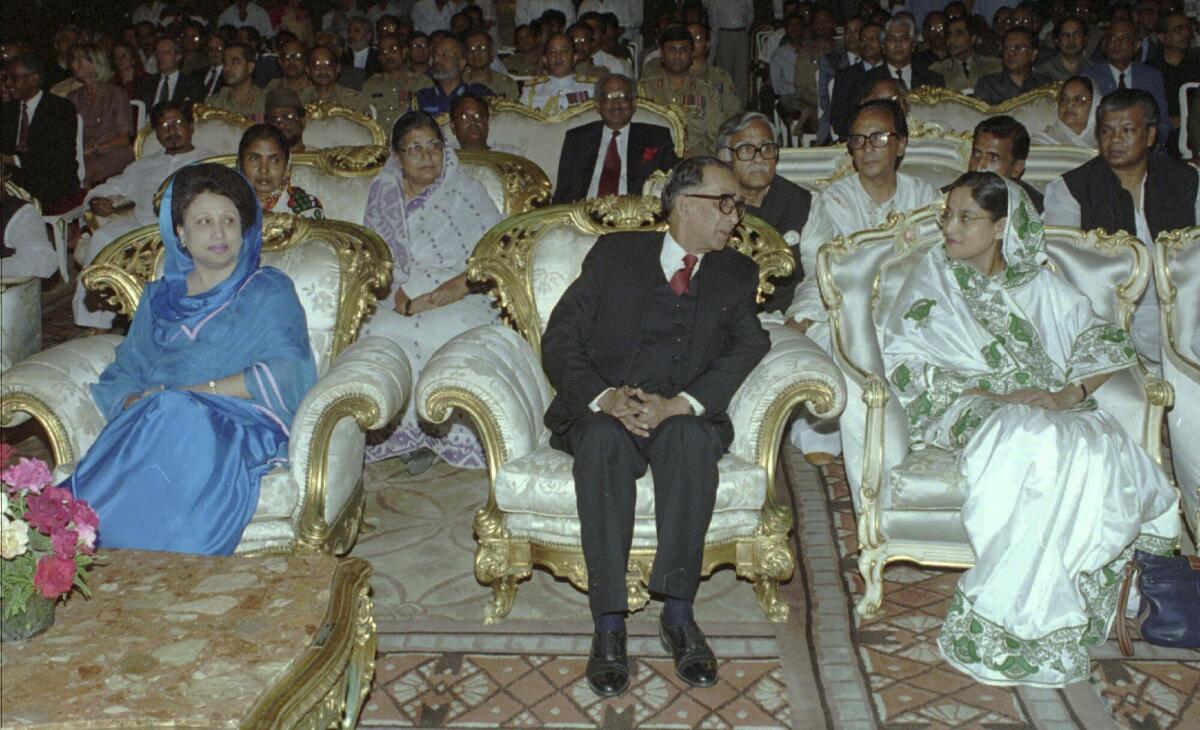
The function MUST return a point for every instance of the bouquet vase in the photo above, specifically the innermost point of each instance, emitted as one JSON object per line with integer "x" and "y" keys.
{"x": 35, "y": 619}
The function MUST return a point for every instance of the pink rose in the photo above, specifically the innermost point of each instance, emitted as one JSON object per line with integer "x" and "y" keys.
{"x": 31, "y": 474}
{"x": 83, "y": 514}
{"x": 48, "y": 510}
{"x": 87, "y": 538}
{"x": 6, "y": 452}
{"x": 54, "y": 576}
{"x": 64, "y": 542}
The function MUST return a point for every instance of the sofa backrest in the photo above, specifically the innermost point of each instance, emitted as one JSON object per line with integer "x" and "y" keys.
{"x": 954, "y": 112}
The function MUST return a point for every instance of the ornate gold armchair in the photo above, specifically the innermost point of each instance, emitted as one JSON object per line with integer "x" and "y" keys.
{"x": 315, "y": 502}
{"x": 907, "y": 502}
{"x": 494, "y": 375}
{"x": 539, "y": 136}
{"x": 941, "y": 108}
{"x": 341, "y": 178}
{"x": 1177, "y": 278}
{"x": 333, "y": 125}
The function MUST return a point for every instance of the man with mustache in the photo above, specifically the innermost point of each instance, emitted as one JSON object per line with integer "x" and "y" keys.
{"x": 133, "y": 192}
{"x": 323, "y": 69}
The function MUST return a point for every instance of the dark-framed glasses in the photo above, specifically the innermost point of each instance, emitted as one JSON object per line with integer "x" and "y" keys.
{"x": 727, "y": 203}
{"x": 946, "y": 217}
{"x": 878, "y": 140}
{"x": 747, "y": 152}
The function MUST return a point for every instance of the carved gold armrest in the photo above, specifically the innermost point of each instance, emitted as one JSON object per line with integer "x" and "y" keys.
{"x": 493, "y": 376}
{"x": 52, "y": 388}
{"x": 367, "y": 385}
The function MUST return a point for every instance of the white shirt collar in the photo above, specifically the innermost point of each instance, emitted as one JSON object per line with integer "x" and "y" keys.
{"x": 32, "y": 104}
{"x": 672, "y": 255}
{"x": 1116, "y": 74}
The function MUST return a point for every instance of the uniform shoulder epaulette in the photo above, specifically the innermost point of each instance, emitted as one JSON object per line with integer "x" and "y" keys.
{"x": 537, "y": 80}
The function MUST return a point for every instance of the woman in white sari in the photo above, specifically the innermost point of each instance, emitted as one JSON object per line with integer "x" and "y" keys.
{"x": 432, "y": 214}
{"x": 1075, "y": 121}
{"x": 996, "y": 358}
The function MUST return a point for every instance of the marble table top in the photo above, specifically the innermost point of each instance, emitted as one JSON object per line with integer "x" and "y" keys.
{"x": 167, "y": 639}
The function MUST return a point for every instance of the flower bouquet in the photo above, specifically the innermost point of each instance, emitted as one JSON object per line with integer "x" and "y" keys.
{"x": 47, "y": 542}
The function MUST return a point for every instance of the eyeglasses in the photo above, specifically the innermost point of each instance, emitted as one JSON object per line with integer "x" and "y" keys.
{"x": 1017, "y": 49}
{"x": 945, "y": 218}
{"x": 878, "y": 140}
{"x": 747, "y": 152}
{"x": 727, "y": 203}
{"x": 1077, "y": 99}
{"x": 277, "y": 118}
{"x": 479, "y": 47}
{"x": 470, "y": 117}
{"x": 293, "y": 56}
{"x": 433, "y": 149}
{"x": 615, "y": 96}
{"x": 173, "y": 124}
{"x": 323, "y": 64}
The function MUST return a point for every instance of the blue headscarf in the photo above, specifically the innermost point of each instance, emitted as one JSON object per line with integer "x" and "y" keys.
{"x": 170, "y": 299}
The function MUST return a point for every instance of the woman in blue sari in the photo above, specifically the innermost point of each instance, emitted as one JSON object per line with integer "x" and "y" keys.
{"x": 202, "y": 393}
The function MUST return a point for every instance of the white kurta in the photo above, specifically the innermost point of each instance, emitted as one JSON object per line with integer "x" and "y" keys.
{"x": 33, "y": 253}
{"x": 139, "y": 182}
{"x": 1055, "y": 500}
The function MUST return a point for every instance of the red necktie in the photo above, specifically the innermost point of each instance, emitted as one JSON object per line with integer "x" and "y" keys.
{"x": 683, "y": 277}
{"x": 23, "y": 129}
{"x": 610, "y": 175}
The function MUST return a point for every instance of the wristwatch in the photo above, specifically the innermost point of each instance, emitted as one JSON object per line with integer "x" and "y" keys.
{"x": 212, "y": 386}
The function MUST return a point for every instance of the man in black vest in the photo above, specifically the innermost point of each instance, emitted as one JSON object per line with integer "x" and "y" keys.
{"x": 1130, "y": 187}
{"x": 645, "y": 351}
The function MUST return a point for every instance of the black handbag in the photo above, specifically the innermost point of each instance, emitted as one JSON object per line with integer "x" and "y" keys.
{"x": 1169, "y": 614}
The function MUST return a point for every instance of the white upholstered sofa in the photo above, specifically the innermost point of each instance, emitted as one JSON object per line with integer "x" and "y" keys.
{"x": 941, "y": 108}
{"x": 494, "y": 375}
{"x": 20, "y": 305}
{"x": 906, "y": 501}
{"x": 1177, "y": 278}
{"x": 314, "y": 503}
{"x": 220, "y": 130}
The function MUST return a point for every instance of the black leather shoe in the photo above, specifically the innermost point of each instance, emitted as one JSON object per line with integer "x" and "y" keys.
{"x": 695, "y": 662}
{"x": 608, "y": 665}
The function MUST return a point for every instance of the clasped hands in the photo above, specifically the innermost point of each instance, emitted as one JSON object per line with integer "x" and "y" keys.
{"x": 1057, "y": 400}
{"x": 447, "y": 293}
{"x": 641, "y": 412}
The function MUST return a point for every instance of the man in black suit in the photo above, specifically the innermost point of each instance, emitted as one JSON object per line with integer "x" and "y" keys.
{"x": 211, "y": 77}
{"x": 848, "y": 85}
{"x": 612, "y": 156}
{"x": 360, "y": 53}
{"x": 37, "y": 137}
{"x": 645, "y": 350}
{"x": 170, "y": 83}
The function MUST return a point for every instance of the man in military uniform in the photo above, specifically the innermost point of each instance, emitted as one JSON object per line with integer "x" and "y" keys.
{"x": 963, "y": 67}
{"x": 323, "y": 68}
{"x": 446, "y": 68}
{"x": 584, "y": 39}
{"x": 480, "y": 55}
{"x": 239, "y": 94}
{"x": 528, "y": 57}
{"x": 696, "y": 101}
{"x": 715, "y": 76}
{"x": 291, "y": 63}
{"x": 391, "y": 91}
{"x": 562, "y": 88}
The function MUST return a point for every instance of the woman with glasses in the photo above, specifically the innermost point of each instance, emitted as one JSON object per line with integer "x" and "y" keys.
{"x": 1075, "y": 123}
{"x": 432, "y": 214}
{"x": 996, "y": 358}
{"x": 878, "y": 134}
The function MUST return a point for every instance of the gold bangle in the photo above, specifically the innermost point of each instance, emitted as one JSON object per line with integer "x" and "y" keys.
{"x": 212, "y": 386}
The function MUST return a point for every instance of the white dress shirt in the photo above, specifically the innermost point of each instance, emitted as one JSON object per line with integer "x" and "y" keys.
{"x": 256, "y": 17}
{"x": 427, "y": 17}
{"x": 612, "y": 63}
{"x": 1116, "y": 75}
{"x": 905, "y": 73}
{"x": 360, "y": 57}
{"x": 530, "y": 10}
{"x": 671, "y": 260}
{"x": 729, "y": 14}
{"x": 30, "y": 107}
{"x": 622, "y": 147}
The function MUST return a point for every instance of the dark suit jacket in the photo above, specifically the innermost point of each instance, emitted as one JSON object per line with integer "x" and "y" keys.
{"x": 650, "y": 148}
{"x": 199, "y": 76}
{"x": 852, "y": 83}
{"x": 1142, "y": 77}
{"x": 188, "y": 89}
{"x": 48, "y": 168}
{"x": 351, "y": 77}
{"x": 591, "y": 340}
{"x": 372, "y": 66}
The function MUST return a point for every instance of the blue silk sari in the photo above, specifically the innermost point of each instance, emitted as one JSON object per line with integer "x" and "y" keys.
{"x": 179, "y": 470}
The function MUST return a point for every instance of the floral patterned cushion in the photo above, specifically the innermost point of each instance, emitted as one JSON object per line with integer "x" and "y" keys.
{"x": 557, "y": 260}
{"x": 928, "y": 479}
{"x": 314, "y": 270}
{"x": 20, "y": 320}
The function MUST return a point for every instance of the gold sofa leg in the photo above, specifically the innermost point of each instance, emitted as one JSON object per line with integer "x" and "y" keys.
{"x": 870, "y": 566}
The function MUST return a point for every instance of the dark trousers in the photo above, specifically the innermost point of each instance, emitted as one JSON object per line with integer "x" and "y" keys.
{"x": 682, "y": 454}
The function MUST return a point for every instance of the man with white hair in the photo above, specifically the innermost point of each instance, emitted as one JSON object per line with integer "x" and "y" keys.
{"x": 747, "y": 142}
{"x": 899, "y": 35}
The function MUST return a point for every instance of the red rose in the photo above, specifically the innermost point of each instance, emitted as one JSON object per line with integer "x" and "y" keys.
{"x": 648, "y": 153}
{"x": 48, "y": 510}
{"x": 54, "y": 576}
